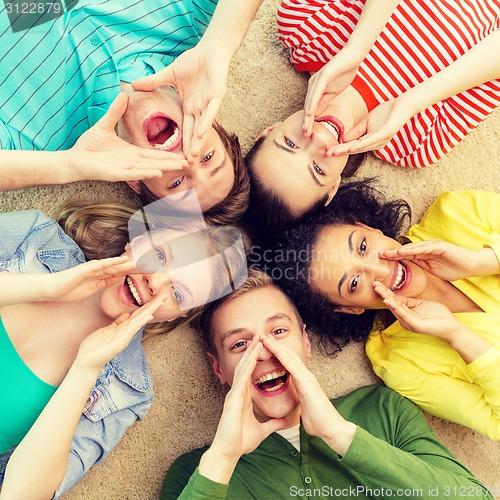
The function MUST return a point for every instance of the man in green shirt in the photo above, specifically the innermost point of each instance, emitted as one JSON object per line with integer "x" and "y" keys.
{"x": 280, "y": 436}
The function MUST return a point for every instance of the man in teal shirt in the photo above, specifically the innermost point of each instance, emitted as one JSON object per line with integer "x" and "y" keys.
{"x": 60, "y": 78}
{"x": 280, "y": 436}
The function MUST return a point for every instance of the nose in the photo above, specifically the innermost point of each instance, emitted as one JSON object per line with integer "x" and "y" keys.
{"x": 157, "y": 283}
{"x": 265, "y": 354}
{"x": 376, "y": 268}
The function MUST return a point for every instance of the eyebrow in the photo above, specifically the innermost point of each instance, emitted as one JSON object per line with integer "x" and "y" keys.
{"x": 237, "y": 331}
{"x": 221, "y": 164}
{"x": 351, "y": 247}
{"x": 309, "y": 168}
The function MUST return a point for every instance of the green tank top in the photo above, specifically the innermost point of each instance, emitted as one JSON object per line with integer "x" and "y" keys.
{"x": 23, "y": 395}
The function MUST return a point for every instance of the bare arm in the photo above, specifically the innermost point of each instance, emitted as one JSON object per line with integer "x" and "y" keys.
{"x": 200, "y": 74}
{"x": 335, "y": 76}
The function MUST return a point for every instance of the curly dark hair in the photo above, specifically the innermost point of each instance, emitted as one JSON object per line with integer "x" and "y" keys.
{"x": 287, "y": 260}
{"x": 267, "y": 213}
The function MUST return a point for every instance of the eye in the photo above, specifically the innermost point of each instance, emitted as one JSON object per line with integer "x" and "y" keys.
{"x": 208, "y": 157}
{"x": 354, "y": 284}
{"x": 362, "y": 247}
{"x": 317, "y": 169}
{"x": 177, "y": 295}
{"x": 176, "y": 183}
{"x": 239, "y": 346}
{"x": 290, "y": 143}
{"x": 160, "y": 254}
{"x": 279, "y": 331}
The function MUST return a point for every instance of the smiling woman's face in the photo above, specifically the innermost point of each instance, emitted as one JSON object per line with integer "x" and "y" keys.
{"x": 185, "y": 270}
{"x": 346, "y": 262}
{"x": 296, "y": 167}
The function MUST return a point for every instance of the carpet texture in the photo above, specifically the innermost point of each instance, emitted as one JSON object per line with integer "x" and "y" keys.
{"x": 264, "y": 88}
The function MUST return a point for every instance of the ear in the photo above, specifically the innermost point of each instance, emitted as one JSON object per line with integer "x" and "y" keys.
{"x": 333, "y": 191}
{"x": 135, "y": 185}
{"x": 214, "y": 363}
{"x": 349, "y": 309}
{"x": 369, "y": 228}
{"x": 266, "y": 131}
{"x": 307, "y": 343}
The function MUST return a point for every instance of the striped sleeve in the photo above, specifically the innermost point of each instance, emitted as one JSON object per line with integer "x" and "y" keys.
{"x": 418, "y": 41}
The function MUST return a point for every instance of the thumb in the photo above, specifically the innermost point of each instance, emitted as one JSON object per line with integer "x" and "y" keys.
{"x": 356, "y": 132}
{"x": 123, "y": 317}
{"x": 115, "y": 112}
{"x": 273, "y": 425}
{"x": 164, "y": 77}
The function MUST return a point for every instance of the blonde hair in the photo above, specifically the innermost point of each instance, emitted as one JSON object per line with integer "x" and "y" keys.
{"x": 101, "y": 230}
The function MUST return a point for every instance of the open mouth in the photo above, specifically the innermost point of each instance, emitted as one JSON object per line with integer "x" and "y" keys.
{"x": 132, "y": 292}
{"x": 272, "y": 382}
{"x": 333, "y": 125}
{"x": 162, "y": 132}
{"x": 403, "y": 277}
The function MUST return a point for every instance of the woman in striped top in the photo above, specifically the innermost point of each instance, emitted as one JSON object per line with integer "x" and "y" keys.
{"x": 413, "y": 83}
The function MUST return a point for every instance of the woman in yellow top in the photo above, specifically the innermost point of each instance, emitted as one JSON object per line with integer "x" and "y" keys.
{"x": 440, "y": 347}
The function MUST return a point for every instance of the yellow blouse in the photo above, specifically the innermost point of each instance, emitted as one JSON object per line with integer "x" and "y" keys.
{"x": 428, "y": 370}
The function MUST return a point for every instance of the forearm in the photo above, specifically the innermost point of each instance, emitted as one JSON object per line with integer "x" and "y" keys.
{"x": 371, "y": 22}
{"x": 216, "y": 466}
{"x": 341, "y": 437}
{"x": 39, "y": 463}
{"x": 468, "y": 344}
{"x": 22, "y": 169}
{"x": 230, "y": 23}
{"x": 488, "y": 262}
{"x": 16, "y": 288}
{"x": 478, "y": 65}
{"x": 383, "y": 465}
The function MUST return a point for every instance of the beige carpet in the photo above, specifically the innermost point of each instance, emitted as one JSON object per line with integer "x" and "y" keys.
{"x": 264, "y": 88}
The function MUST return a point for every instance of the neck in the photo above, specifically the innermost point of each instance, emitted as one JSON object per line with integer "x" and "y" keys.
{"x": 446, "y": 293}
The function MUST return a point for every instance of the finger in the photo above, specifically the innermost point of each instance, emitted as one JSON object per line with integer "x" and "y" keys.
{"x": 273, "y": 425}
{"x": 207, "y": 118}
{"x": 187, "y": 136}
{"x": 164, "y": 77}
{"x": 310, "y": 105}
{"x": 115, "y": 112}
{"x": 246, "y": 366}
{"x": 157, "y": 154}
{"x": 287, "y": 357}
{"x": 162, "y": 164}
{"x": 383, "y": 291}
{"x": 121, "y": 319}
{"x": 356, "y": 132}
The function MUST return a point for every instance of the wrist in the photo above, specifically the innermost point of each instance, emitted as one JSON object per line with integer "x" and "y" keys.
{"x": 487, "y": 262}
{"x": 217, "y": 466}
{"x": 342, "y": 437}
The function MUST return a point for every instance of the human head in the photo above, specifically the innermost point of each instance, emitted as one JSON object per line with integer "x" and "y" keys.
{"x": 258, "y": 307}
{"x": 218, "y": 174}
{"x": 102, "y": 230}
{"x": 290, "y": 174}
{"x": 290, "y": 261}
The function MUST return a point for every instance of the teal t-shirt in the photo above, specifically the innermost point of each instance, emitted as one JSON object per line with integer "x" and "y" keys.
{"x": 23, "y": 395}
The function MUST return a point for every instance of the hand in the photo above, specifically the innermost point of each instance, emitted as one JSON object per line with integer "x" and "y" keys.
{"x": 326, "y": 84}
{"x": 104, "y": 344}
{"x": 99, "y": 154}
{"x": 440, "y": 258}
{"x": 239, "y": 432}
{"x": 319, "y": 417}
{"x": 200, "y": 76}
{"x": 85, "y": 279}
{"x": 374, "y": 131}
{"x": 420, "y": 316}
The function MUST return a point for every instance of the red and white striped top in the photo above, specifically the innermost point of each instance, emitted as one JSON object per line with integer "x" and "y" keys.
{"x": 420, "y": 39}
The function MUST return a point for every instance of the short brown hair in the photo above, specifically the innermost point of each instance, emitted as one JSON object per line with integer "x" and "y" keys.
{"x": 231, "y": 208}
{"x": 256, "y": 279}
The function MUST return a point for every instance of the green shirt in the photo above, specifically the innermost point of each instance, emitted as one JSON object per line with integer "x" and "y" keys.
{"x": 393, "y": 449}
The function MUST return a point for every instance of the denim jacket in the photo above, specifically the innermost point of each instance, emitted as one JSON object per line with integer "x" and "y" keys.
{"x": 30, "y": 242}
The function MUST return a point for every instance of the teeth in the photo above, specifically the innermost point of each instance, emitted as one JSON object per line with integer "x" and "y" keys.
{"x": 331, "y": 128}
{"x": 171, "y": 140}
{"x": 270, "y": 376}
{"x": 400, "y": 277}
{"x": 276, "y": 387}
{"x": 134, "y": 290}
